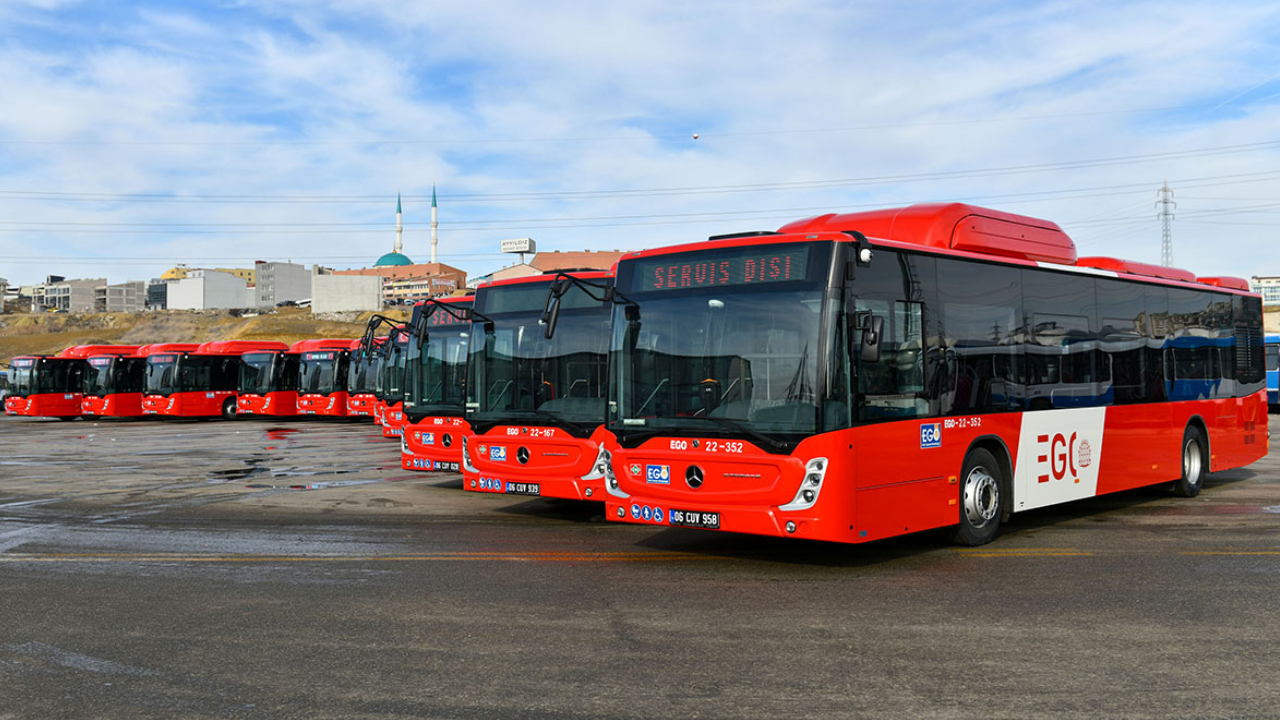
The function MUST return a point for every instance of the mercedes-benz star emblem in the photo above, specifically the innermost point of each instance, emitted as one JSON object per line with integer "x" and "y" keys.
{"x": 693, "y": 476}
{"x": 522, "y": 455}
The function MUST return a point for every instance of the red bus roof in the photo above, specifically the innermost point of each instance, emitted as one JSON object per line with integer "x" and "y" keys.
{"x": 1225, "y": 281}
{"x": 239, "y": 347}
{"x": 84, "y": 351}
{"x": 953, "y": 226}
{"x": 1137, "y": 268}
{"x": 546, "y": 278}
{"x": 322, "y": 344}
{"x": 161, "y": 348}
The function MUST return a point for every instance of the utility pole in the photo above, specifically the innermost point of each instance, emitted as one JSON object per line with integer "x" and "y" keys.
{"x": 1166, "y": 205}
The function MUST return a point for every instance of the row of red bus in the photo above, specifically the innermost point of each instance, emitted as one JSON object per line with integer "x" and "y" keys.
{"x": 844, "y": 378}
{"x": 193, "y": 380}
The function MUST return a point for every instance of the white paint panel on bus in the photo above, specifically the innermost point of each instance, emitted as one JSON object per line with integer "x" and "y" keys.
{"x": 1058, "y": 456}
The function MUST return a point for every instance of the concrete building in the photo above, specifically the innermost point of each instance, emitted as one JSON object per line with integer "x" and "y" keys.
{"x": 4, "y": 293}
{"x": 345, "y": 293}
{"x": 157, "y": 294}
{"x": 73, "y": 295}
{"x": 1268, "y": 287}
{"x": 209, "y": 290}
{"x": 277, "y": 282}
{"x": 123, "y": 297}
{"x": 506, "y": 273}
{"x": 576, "y": 260}
{"x": 181, "y": 272}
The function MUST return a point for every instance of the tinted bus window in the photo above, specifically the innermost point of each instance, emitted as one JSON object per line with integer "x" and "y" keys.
{"x": 895, "y": 385}
{"x": 1062, "y": 369}
{"x": 979, "y": 322}
{"x": 1122, "y": 339}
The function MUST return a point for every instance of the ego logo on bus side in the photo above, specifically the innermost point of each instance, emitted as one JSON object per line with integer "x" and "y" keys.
{"x": 930, "y": 435}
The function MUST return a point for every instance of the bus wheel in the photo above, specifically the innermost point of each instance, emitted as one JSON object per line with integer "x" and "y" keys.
{"x": 1193, "y": 464}
{"x": 229, "y": 409}
{"x": 981, "y": 499}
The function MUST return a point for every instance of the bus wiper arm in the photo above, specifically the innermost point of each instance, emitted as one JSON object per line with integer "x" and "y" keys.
{"x": 576, "y": 427}
{"x": 744, "y": 428}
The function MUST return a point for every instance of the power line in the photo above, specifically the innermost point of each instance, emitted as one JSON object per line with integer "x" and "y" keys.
{"x": 649, "y": 192}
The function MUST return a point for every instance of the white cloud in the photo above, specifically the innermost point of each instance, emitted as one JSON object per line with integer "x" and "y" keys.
{"x": 499, "y": 97}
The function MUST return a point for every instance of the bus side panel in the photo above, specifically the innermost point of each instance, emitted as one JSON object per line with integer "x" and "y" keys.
{"x": 1139, "y": 448}
{"x": 917, "y": 488}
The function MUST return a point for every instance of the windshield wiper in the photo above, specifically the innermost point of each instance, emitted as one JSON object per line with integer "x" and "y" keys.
{"x": 744, "y": 428}
{"x": 575, "y": 427}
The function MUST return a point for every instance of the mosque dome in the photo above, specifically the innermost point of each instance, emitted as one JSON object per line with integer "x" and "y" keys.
{"x": 393, "y": 258}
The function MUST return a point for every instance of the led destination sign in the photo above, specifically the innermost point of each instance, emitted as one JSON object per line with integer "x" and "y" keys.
{"x": 440, "y": 316}
{"x": 749, "y": 266}
{"x": 24, "y": 362}
{"x": 313, "y": 356}
{"x": 100, "y": 362}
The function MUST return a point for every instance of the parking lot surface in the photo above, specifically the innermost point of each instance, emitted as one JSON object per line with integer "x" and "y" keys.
{"x": 292, "y": 569}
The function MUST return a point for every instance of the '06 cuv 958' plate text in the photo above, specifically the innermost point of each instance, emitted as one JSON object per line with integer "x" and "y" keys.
{"x": 696, "y": 519}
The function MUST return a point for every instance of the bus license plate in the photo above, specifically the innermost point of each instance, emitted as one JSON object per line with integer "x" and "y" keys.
{"x": 520, "y": 488}
{"x": 695, "y": 519}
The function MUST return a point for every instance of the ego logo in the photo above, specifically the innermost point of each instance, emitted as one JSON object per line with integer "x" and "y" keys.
{"x": 931, "y": 435}
{"x": 1063, "y": 456}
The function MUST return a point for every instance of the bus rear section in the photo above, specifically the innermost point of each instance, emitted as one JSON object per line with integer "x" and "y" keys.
{"x": 435, "y": 387}
{"x": 322, "y": 377}
{"x": 199, "y": 383}
{"x": 536, "y": 403}
{"x": 42, "y": 386}
{"x": 1273, "y": 372}
{"x": 856, "y": 377}
{"x": 113, "y": 384}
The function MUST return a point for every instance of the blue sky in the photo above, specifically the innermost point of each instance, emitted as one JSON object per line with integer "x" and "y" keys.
{"x": 136, "y": 135}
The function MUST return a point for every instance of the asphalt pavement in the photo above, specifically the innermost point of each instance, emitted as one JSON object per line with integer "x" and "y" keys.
{"x": 259, "y": 569}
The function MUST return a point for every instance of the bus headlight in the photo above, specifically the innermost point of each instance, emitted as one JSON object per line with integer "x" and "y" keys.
{"x": 466, "y": 457}
{"x": 404, "y": 445}
{"x": 815, "y": 471}
{"x": 599, "y": 467}
{"x": 611, "y": 480}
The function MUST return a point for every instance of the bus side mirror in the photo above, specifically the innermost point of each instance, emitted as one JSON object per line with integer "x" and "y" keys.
{"x": 869, "y": 348}
{"x": 631, "y": 313}
{"x": 551, "y": 315}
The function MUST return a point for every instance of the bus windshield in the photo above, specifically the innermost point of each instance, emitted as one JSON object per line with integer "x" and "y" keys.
{"x": 258, "y": 372}
{"x": 390, "y": 383}
{"x": 518, "y": 372}
{"x": 438, "y": 370}
{"x": 162, "y": 372}
{"x": 99, "y": 379}
{"x": 742, "y": 358}
{"x": 363, "y": 375}
{"x": 322, "y": 373}
{"x": 22, "y": 376}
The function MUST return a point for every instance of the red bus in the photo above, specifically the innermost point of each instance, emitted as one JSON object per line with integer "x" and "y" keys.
{"x": 536, "y": 404}
{"x": 390, "y": 386}
{"x": 855, "y": 377}
{"x": 435, "y": 387}
{"x": 322, "y": 378}
{"x": 113, "y": 384}
{"x": 269, "y": 379}
{"x": 199, "y": 382}
{"x": 362, "y": 376}
{"x": 42, "y": 386}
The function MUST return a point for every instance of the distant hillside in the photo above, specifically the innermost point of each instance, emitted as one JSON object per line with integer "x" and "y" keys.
{"x": 49, "y": 333}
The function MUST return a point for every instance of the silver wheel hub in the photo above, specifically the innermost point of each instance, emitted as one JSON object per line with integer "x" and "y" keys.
{"x": 1192, "y": 462}
{"x": 981, "y": 497}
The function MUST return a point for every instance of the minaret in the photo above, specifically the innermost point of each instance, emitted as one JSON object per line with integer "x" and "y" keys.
{"x": 399, "y": 227}
{"x": 434, "y": 224}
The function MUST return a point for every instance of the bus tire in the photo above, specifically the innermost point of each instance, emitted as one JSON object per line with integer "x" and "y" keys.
{"x": 229, "y": 409}
{"x": 981, "y": 499}
{"x": 1194, "y": 464}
